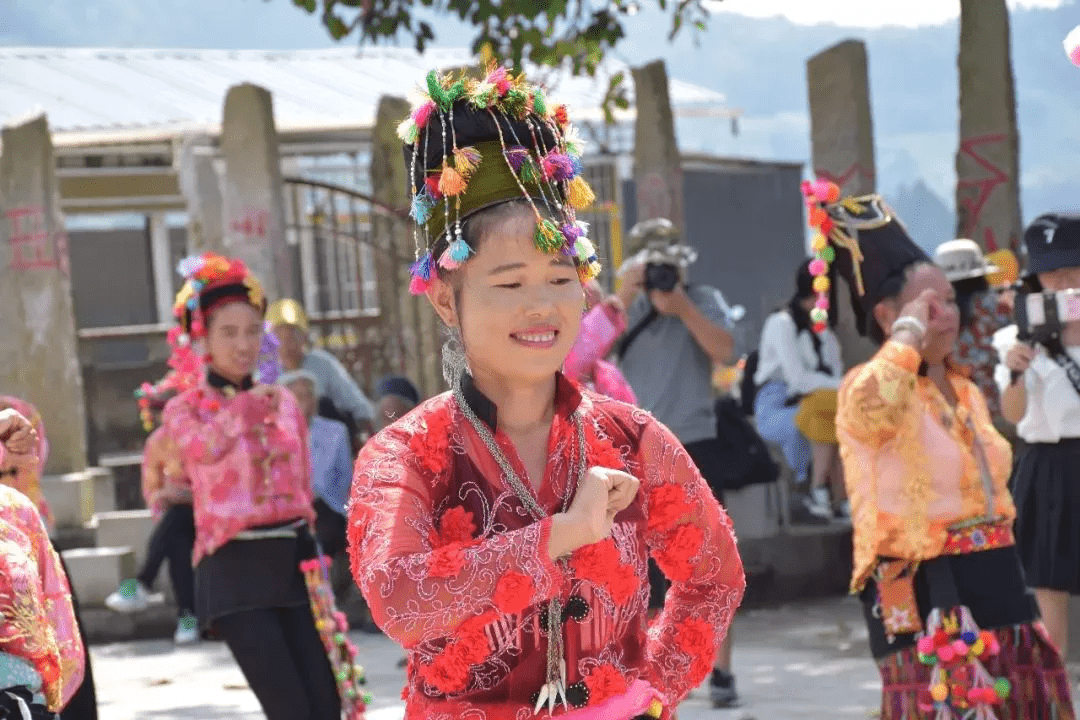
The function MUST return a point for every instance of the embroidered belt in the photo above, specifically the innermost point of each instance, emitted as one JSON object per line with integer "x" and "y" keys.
{"x": 285, "y": 531}
{"x": 896, "y": 578}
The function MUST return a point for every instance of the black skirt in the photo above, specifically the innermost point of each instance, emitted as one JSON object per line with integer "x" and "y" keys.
{"x": 252, "y": 575}
{"x": 989, "y": 583}
{"x": 1046, "y": 490}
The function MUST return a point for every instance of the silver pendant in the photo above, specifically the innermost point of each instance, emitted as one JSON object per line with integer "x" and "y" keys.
{"x": 552, "y": 693}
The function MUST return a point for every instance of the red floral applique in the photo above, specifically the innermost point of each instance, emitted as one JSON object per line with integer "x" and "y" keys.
{"x": 431, "y": 450}
{"x": 514, "y": 592}
{"x": 697, "y": 638}
{"x": 602, "y": 453}
{"x": 449, "y": 671}
{"x": 604, "y": 681}
{"x": 601, "y": 565}
{"x": 473, "y": 640}
{"x": 455, "y": 526}
{"x": 446, "y": 561}
{"x": 676, "y": 555}
{"x": 667, "y": 505}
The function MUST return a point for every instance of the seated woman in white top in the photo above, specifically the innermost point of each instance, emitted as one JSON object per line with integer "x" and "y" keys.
{"x": 795, "y": 406}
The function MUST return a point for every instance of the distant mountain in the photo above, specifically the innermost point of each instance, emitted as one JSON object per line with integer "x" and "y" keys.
{"x": 929, "y": 220}
{"x": 760, "y": 64}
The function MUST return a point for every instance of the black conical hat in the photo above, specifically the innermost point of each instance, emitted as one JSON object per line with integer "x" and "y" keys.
{"x": 872, "y": 248}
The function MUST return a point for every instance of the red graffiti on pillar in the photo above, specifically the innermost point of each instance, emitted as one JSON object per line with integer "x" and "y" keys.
{"x": 252, "y": 224}
{"x": 842, "y": 179}
{"x": 972, "y": 208}
{"x": 654, "y": 197}
{"x": 32, "y": 245}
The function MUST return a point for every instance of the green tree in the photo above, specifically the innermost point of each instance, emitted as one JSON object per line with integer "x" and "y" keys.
{"x": 544, "y": 32}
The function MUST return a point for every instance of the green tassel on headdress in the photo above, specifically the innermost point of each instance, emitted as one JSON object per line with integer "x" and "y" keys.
{"x": 548, "y": 238}
{"x": 539, "y": 104}
{"x": 516, "y": 102}
{"x": 529, "y": 173}
{"x": 436, "y": 92}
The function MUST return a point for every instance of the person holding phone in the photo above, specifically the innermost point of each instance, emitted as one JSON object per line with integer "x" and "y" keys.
{"x": 1039, "y": 397}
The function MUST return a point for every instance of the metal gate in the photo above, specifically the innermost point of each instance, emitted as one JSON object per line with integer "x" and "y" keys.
{"x": 330, "y": 230}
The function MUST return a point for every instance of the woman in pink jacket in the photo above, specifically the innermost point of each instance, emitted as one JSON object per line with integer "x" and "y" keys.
{"x": 245, "y": 453}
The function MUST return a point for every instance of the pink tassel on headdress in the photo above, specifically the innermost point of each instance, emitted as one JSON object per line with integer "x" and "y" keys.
{"x": 421, "y": 114}
{"x": 557, "y": 166}
{"x": 499, "y": 79}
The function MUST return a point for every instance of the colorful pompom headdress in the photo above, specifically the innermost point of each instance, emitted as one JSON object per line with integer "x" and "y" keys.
{"x": 472, "y": 144}
{"x": 210, "y": 281}
{"x": 876, "y": 250}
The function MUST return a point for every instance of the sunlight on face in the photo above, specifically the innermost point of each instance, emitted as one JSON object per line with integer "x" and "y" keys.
{"x": 944, "y": 322}
{"x": 520, "y": 308}
{"x": 233, "y": 339}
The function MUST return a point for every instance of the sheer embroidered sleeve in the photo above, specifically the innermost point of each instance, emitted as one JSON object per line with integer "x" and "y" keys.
{"x": 422, "y": 581}
{"x": 692, "y": 540}
{"x": 877, "y": 398}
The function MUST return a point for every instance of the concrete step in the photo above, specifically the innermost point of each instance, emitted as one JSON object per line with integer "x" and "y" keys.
{"x": 125, "y": 528}
{"x": 96, "y": 572}
{"x": 74, "y": 497}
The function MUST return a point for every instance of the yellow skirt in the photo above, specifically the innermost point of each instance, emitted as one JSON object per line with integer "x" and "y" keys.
{"x": 816, "y": 418}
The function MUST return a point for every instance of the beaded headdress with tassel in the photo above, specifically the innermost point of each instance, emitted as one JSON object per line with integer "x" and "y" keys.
{"x": 209, "y": 281}
{"x": 876, "y": 249}
{"x": 472, "y": 144}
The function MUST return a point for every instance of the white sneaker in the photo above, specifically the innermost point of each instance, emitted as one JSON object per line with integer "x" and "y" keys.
{"x": 819, "y": 503}
{"x": 187, "y": 630}
{"x": 131, "y": 597}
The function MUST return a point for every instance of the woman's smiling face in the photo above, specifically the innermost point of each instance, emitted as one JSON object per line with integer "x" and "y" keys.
{"x": 518, "y": 309}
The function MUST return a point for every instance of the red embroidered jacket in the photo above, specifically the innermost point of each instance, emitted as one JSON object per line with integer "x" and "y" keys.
{"x": 455, "y": 570}
{"x": 246, "y": 457}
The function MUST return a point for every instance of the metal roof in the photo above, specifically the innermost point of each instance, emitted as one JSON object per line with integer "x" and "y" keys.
{"x": 102, "y": 95}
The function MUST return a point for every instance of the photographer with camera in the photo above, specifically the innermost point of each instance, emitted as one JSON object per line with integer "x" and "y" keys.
{"x": 675, "y": 334}
{"x": 1040, "y": 393}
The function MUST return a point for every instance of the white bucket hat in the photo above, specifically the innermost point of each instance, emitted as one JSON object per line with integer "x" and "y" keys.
{"x": 962, "y": 259}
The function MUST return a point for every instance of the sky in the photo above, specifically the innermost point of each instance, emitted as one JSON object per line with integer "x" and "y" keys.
{"x": 858, "y": 13}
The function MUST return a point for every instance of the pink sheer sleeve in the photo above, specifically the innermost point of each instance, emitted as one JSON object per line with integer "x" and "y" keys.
{"x": 691, "y": 538}
{"x": 600, "y": 328}
{"x": 418, "y": 588}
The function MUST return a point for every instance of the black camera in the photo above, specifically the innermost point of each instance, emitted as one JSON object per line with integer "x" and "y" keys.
{"x": 661, "y": 276}
{"x": 1040, "y": 316}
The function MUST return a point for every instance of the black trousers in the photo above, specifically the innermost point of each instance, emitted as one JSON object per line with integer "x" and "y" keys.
{"x": 173, "y": 539}
{"x": 83, "y": 705}
{"x": 284, "y": 661}
{"x": 330, "y": 528}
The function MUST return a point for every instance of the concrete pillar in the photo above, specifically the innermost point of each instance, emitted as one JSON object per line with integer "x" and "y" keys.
{"x": 657, "y": 163}
{"x": 254, "y": 208}
{"x": 987, "y": 159}
{"x": 161, "y": 263}
{"x": 407, "y": 321}
{"x": 200, "y": 184}
{"x": 842, "y": 146}
{"x": 38, "y": 345}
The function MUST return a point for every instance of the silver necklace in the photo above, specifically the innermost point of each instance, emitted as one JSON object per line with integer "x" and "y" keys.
{"x": 554, "y": 690}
